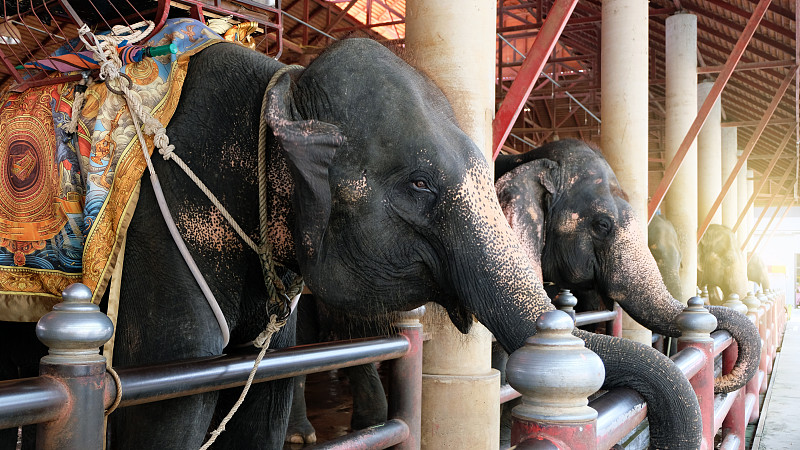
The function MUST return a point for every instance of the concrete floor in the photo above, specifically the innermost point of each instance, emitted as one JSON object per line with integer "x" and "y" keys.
{"x": 779, "y": 427}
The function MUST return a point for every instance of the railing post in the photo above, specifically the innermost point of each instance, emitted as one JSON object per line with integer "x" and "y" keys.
{"x": 734, "y": 422}
{"x": 733, "y": 302}
{"x": 555, "y": 373}
{"x": 769, "y": 323}
{"x": 74, "y": 332}
{"x": 696, "y": 325}
{"x": 405, "y": 384}
{"x": 566, "y": 302}
{"x": 754, "y": 385}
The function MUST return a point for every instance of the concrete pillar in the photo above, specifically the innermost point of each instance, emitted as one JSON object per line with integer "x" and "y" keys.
{"x": 751, "y": 213}
{"x": 741, "y": 200}
{"x": 730, "y": 205}
{"x": 454, "y": 42}
{"x": 623, "y": 133}
{"x": 680, "y": 203}
{"x": 709, "y": 157}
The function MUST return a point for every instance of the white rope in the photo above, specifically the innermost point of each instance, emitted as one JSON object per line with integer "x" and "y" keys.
{"x": 77, "y": 103}
{"x": 110, "y": 65}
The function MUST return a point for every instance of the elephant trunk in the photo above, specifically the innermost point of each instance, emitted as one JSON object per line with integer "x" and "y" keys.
{"x": 633, "y": 281}
{"x": 634, "y": 365}
{"x": 504, "y": 291}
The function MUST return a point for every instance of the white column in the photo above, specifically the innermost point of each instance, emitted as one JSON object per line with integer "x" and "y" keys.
{"x": 709, "y": 157}
{"x": 730, "y": 205}
{"x": 454, "y": 42}
{"x": 751, "y": 213}
{"x": 623, "y": 132}
{"x": 741, "y": 200}
{"x": 680, "y": 203}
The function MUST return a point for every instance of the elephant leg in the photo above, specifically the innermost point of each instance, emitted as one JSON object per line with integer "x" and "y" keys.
{"x": 672, "y": 408}
{"x": 300, "y": 430}
{"x": 369, "y": 400}
{"x": 262, "y": 418}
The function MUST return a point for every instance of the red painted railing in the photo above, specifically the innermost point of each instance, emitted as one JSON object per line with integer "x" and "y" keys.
{"x": 618, "y": 412}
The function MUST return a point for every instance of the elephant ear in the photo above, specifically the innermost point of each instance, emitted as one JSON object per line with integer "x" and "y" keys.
{"x": 524, "y": 194}
{"x": 309, "y": 146}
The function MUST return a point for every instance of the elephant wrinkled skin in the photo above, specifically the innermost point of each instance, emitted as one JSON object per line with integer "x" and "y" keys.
{"x": 375, "y": 195}
{"x": 662, "y": 239}
{"x": 572, "y": 217}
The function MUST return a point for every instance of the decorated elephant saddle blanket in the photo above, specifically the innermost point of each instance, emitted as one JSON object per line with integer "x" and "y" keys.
{"x": 67, "y": 198}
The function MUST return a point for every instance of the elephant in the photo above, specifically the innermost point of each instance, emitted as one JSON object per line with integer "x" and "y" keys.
{"x": 662, "y": 239}
{"x": 757, "y": 272}
{"x": 721, "y": 265}
{"x": 315, "y": 323}
{"x": 376, "y": 197}
{"x": 575, "y": 223}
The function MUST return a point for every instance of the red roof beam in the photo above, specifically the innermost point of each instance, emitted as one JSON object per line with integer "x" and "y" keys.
{"x": 702, "y": 114}
{"x": 764, "y": 178}
{"x": 771, "y": 201}
{"x": 746, "y": 153}
{"x": 529, "y": 72}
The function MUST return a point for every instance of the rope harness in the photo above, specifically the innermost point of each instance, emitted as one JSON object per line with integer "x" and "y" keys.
{"x": 104, "y": 49}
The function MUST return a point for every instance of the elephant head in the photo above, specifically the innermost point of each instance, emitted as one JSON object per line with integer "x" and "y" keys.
{"x": 721, "y": 264}
{"x": 566, "y": 204}
{"x": 379, "y": 200}
{"x": 662, "y": 239}
{"x": 757, "y": 271}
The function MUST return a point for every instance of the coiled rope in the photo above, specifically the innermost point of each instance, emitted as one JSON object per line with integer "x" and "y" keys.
{"x": 110, "y": 65}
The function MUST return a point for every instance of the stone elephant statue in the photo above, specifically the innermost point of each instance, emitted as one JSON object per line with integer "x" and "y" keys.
{"x": 721, "y": 265}
{"x": 575, "y": 224}
{"x": 375, "y": 196}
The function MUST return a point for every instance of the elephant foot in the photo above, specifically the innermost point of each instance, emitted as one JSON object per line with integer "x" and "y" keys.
{"x": 301, "y": 433}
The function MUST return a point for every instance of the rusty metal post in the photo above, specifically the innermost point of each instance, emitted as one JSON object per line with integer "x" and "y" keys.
{"x": 555, "y": 373}
{"x": 696, "y": 325}
{"x": 405, "y": 382}
{"x": 754, "y": 385}
{"x": 616, "y": 324}
{"x": 734, "y": 422}
{"x": 74, "y": 332}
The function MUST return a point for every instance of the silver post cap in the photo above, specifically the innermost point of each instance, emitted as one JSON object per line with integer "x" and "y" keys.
{"x": 555, "y": 373}
{"x": 75, "y": 329}
{"x": 695, "y": 322}
{"x": 751, "y": 302}
{"x": 733, "y": 302}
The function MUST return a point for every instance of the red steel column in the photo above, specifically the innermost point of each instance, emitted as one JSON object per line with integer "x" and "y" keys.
{"x": 528, "y": 73}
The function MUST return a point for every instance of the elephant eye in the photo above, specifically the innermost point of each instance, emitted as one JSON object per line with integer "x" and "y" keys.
{"x": 602, "y": 226}
{"x": 421, "y": 185}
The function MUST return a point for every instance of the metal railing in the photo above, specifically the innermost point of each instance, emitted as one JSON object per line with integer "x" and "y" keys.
{"x": 74, "y": 388}
{"x": 616, "y": 413}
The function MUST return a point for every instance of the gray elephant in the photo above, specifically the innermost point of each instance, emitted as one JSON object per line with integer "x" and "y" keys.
{"x": 662, "y": 239}
{"x": 721, "y": 265}
{"x": 757, "y": 272}
{"x": 376, "y": 197}
{"x": 575, "y": 223}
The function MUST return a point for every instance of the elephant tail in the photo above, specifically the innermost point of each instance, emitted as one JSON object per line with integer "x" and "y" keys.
{"x": 746, "y": 336}
{"x": 672, "y": 407}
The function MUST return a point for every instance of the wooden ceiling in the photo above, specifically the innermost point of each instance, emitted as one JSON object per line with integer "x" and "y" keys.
{"x": 564, "y": 104}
